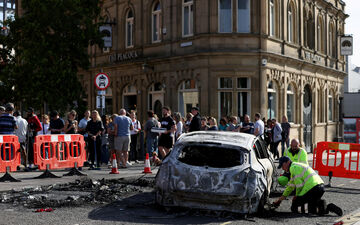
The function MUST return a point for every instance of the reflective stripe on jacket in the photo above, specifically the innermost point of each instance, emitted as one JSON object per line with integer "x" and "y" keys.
{"x": 300, "y": 157}
{"x": 302, "y": 178}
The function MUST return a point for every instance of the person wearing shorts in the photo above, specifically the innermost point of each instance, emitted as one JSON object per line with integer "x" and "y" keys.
{"x": 166, "y": 139}
{"x": 122, "y": 127}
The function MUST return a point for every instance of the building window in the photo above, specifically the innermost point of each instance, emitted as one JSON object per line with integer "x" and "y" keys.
{"x": 321, "y": 108}
{"x": 129, "y": 29}
{"x": 320, "y": 35}
{"x": 290, "y": 104}
{"x": 188, "y": 96}
{"x": 332, "y": 41}
{"x": 130, "y": 98}
{"x": 188, "y": 19}
{"x": 272, "y": 18}
{"x": 156, "y": 23}
{"x": 243, "y": 16}
{"x": 225, "y": 96}
{"x": 310, "y": 32}
{"x": 291, "y": 23}
{"x": 272, "y": 101}
{"x": 156, "y": 98}
{"x": 243, "y": 96}
{"x": 330, "y": 108}
{"x": 225, "y": 16}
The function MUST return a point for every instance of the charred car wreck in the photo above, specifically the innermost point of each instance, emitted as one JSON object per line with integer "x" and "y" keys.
{"x": 223, "y": 171}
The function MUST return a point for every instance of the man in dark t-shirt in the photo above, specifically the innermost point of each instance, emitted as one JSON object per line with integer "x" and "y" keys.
{"x": 166, "y": 139}
{"x": 56, "y": 123}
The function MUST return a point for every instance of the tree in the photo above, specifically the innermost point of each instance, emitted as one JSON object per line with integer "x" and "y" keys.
{"x": 50, "y": 40}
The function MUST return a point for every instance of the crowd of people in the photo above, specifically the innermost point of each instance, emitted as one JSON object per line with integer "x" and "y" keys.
{"x": 119, "y": 134}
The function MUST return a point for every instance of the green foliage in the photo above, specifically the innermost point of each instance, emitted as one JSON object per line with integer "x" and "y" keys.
{"x": 50, "y": 41}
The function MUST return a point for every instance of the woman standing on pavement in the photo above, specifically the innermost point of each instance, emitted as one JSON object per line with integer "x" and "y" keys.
{"x": 213, "y": 124}
{"x": 111, "y": 137}
{"x": 71, "y": 125}
{"x": 94, "y": 129}
{"x": 45, "y": 123}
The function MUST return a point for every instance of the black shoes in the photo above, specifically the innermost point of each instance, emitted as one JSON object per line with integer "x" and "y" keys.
{"x": 335, "y": 209}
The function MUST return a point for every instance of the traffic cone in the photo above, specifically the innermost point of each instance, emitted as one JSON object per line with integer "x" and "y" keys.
{"x": 147, "y": 168}
{"x": 114, "y": 169}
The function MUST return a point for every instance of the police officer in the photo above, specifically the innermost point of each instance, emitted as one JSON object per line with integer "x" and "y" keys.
{"x": 309, "y": 188}
{"x": 295, "y": 153}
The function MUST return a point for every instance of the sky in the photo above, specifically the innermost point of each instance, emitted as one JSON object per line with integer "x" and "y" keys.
{"x": 352, "y": 26}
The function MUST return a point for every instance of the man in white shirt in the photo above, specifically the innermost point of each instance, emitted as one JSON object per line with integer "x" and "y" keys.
{"x": 21, "y": 133}
{"x": 259, "y": 125}
{"x": 82, "y": 127}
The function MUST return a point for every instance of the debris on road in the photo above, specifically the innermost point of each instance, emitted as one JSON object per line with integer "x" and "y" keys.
{"x": 76, "y": 193}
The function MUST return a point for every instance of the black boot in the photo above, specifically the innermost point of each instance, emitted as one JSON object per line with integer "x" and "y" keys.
{"x": 321, "y": 205}
{"x": 335, "y": 209}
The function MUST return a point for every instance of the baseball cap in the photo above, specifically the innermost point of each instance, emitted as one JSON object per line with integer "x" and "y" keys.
{"x": 30, "y": 109}
{"x": 195, "y": 108}
{"x": 282, "y": 160}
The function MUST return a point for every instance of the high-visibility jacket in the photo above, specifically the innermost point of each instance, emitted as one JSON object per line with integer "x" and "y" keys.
{"x": 300, "y": 157}
{"x": 302, "y": 178}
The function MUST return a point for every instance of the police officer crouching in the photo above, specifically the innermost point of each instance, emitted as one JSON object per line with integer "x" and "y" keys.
{"x": 309, "y": 188}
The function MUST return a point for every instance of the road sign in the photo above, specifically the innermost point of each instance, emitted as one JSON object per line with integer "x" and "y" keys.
{"x": 346, "y": 45}
{"x": 100, "y": 102}
{"x": 102, "y": 92}
{"x": 102, "y": 81}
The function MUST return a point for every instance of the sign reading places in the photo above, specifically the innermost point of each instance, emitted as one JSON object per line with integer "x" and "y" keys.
{"x": 120, "y": 57}
{"x": 346, "y": 45}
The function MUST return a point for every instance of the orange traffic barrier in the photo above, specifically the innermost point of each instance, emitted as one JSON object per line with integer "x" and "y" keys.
{"x": 337, "y": 159}
{"x": 147, "y": 168}
{"x": 10, "y": 157}
{"x": 59, "y": 152}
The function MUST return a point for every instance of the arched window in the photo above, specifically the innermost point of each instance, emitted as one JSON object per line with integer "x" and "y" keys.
{"x": 332, "y": 40}
{"x": 330, "y": 106}
{"x": 290, "y": 104}
{"x": 188, "y": 96}
{"x": 156, "y": 93}
{"x": 156, "y": 23}
{"x": 188, "y": 18}
{"x": 129, "y": 29}
{"x": 243, "y": 16}
{"x": 320, "y": 35}
{"x": 272, "y": 17}
{"x": 272, "y": 100}
{"x": 310, "y": 31}
{"x": 291, "y": 23}
{"x": 225, "y": 16}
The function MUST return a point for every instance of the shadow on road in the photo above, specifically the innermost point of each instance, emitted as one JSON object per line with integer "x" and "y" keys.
{"x": 343, "y": 190}
{"x": 141, "y": 208}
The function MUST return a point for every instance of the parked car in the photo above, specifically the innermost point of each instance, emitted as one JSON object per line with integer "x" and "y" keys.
{"x": 224, "y": 171}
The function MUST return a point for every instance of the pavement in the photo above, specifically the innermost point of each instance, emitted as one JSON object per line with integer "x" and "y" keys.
{"x": 28, "y": 181}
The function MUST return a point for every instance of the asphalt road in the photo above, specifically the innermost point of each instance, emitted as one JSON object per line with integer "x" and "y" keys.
{"x": 140, "y": 209}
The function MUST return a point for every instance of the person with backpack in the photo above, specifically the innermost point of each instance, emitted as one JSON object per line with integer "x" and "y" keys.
{"x": 151, "y": 137}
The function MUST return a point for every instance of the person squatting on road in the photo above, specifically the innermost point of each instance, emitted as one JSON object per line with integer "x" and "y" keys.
{"x": 295, "y": 153}
{"x": 309, "y": 189}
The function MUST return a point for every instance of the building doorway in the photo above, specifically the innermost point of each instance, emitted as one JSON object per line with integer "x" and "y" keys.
{"x": 129, "y": 98}
{"x": 307, "y": 118}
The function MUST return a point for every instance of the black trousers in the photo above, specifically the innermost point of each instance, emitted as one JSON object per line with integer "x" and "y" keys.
{"x": 312, "y": 197}
{"x": 95, "y": 148}
{"x": 133, "y": 150}
{"x": 274, "y": 149}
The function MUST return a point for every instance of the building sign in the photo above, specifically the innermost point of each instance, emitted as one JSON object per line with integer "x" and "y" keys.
{"x": 312, "y": 57}
{"x": 120, "y": 57}
{"x": 346, "y": 45}
{"x": 107, "y": 37}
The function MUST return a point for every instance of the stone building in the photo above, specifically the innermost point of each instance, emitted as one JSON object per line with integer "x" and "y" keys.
{"x": 229, "y": 57}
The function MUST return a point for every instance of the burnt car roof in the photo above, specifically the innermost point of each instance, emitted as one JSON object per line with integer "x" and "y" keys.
{"x": 229, "y": 138}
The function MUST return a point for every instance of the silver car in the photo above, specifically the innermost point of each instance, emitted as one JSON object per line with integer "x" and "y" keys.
{"x": 224, "y": 171}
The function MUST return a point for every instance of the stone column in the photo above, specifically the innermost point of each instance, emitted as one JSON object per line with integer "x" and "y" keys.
{"x": 263, "y": 91}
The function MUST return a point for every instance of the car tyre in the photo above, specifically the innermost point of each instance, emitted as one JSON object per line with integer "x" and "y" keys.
{"x": 262, "y": 203}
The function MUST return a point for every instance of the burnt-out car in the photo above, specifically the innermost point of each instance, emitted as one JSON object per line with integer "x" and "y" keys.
{"x": 225, "y": 171}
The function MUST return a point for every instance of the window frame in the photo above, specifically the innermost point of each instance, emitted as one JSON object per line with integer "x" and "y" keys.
{"x": 272, "y": 18}
{"x": 156, "y": 13}
{"x": 237, "y": 17}
{"x": 131, "y": 21}
{"x": 272, "y": 90}
{"x": 291, "y": 92}
{"x": 246, "y": 90}
{"x": 330, "y": 108}
{"x": 231, "y": 16}
{"x": 320, "y": 34}
{"x": 190, "y": 5}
